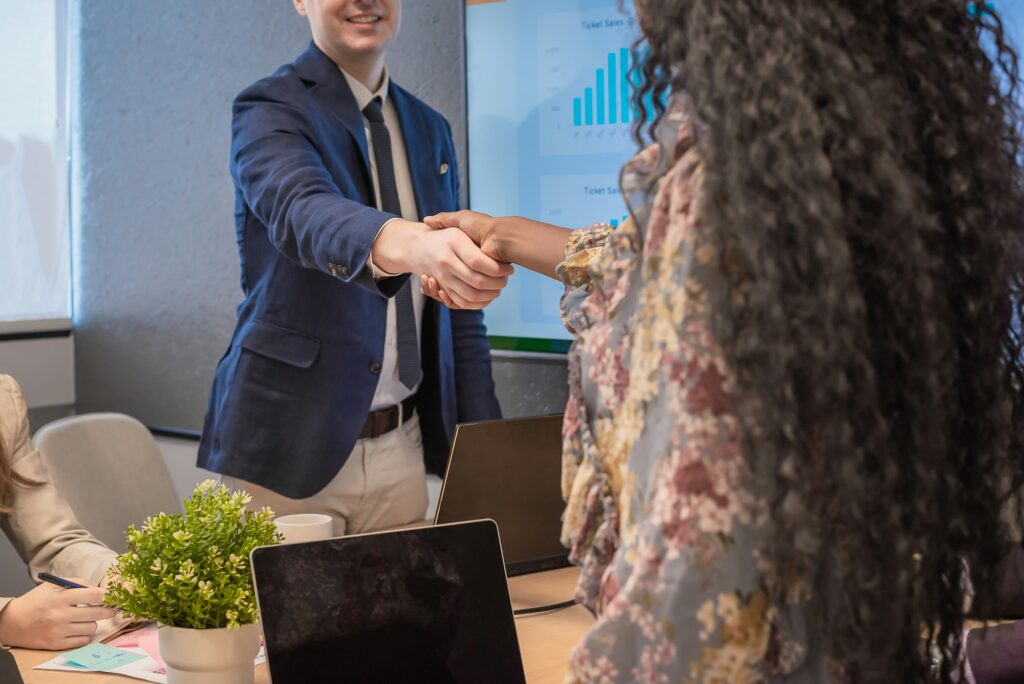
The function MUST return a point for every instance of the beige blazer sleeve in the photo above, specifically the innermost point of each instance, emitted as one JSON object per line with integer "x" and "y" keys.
{"x": 41, "y": 526}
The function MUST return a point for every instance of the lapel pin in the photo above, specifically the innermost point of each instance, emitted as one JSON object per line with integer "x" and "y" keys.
{"x": 444, "y": 168}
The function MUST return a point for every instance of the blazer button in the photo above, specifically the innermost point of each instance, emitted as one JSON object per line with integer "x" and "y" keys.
{"x": 343, "y": 271}
{"x": 375, "y": 367}
{"x": 444, "y": 168}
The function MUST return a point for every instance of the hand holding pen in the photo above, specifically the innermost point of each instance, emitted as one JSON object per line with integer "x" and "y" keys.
{"x": 59, "y": 614}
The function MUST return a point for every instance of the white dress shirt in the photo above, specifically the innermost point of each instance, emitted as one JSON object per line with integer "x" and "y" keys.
{"x": 390, "y": 390}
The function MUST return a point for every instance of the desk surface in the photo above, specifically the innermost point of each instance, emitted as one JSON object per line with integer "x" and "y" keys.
{"x": 545, "y": 639}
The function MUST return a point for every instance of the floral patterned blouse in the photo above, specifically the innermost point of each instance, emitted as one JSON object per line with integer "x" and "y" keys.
{"x": 662, "y": 513}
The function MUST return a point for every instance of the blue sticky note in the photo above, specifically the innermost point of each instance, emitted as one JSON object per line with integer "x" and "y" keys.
{"x": 100, "y": 657}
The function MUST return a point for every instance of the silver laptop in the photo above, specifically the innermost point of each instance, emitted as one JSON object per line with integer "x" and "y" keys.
{"x": 429, "y": 605}
{"x": 510, "y": 471}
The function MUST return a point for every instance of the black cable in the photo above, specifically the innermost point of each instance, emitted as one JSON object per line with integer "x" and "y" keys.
{"x": 544, "y": 609}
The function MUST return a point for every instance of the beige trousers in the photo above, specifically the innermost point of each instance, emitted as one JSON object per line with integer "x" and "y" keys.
{"x": 382, "y": 484}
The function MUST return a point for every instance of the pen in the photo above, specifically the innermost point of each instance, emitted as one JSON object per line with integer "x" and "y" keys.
{"x": 60, "y": 581}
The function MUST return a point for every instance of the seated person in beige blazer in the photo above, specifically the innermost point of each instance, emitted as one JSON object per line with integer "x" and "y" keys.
{"x": 48, "y": 538}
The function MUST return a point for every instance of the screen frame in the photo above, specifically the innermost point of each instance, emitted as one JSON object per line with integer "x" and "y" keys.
{"x": 507, "y": 344}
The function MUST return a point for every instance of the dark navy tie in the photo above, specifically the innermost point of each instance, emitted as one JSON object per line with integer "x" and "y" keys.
{"x": 409, "y": 370}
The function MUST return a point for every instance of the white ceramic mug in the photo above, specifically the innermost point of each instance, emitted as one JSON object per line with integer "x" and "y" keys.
{"x": 305, "y": 527}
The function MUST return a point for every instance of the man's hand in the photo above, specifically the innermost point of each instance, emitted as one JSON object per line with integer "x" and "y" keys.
{"x": 52, "y": 618}
{"x": 481, "y": 228}
{"x": 430, "y": 288}
{"x": 535, "y": 245}
{"x": 471, "y": 279}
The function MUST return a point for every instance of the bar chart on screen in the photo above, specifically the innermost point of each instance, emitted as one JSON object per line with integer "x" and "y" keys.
{"x": 608, "y": 101}
{"x": 585, "y": 83}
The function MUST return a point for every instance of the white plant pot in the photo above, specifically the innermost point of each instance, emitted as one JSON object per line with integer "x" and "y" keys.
{"x": 210, "y": 656}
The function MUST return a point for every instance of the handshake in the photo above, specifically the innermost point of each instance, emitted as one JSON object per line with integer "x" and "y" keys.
{"x": 459, "y": 256}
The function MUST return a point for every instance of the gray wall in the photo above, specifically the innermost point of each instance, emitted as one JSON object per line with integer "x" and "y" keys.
{"x": 156, "y": 269}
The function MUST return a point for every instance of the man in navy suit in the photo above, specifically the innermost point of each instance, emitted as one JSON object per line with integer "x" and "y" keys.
{"x": 342, "y": 384}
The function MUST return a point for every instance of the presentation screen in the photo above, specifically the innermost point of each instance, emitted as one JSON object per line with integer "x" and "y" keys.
{"x": 549, "y": 128}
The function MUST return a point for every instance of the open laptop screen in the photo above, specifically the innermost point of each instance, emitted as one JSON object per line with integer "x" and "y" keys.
{"x": 423, "y": 605}
{"x": 510, "y": 471}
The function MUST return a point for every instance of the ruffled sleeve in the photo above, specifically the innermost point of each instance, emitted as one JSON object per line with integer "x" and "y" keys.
{"x": 582, "y": 252}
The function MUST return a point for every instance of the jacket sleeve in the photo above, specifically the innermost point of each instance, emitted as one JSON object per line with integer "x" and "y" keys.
{"x": 41, "y": 526}
{"x": 284, "y": 183}
{"x": 474, "y": 383}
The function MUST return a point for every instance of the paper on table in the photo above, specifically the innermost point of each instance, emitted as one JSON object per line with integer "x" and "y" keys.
{"x": 149, "y": 641}
{"x": 100, "y": 657}
{"x": 145, "y": 668}
{"x": 129, "y": 640}
{"x": 125, "y": 637}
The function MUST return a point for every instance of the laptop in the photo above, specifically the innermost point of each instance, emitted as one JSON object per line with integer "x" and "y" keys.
{"x": 428, "y": 605}
{"x": 9, "y": 673}
{"x": 510, "y": 471}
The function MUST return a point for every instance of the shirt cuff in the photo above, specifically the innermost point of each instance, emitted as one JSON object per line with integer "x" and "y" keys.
{"x": 379, "y": 274}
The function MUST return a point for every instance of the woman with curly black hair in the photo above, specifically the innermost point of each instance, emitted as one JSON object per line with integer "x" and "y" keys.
{"x": 796, "y": 389}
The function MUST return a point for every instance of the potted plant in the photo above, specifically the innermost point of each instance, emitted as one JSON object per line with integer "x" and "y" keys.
{"x": 191, "y": 574}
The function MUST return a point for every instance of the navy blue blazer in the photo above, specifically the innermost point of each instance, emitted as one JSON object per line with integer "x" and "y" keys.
{"x": 294, "y": 388}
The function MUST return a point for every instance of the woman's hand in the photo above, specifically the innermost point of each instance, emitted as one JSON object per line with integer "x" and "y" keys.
{"x": 469, "y": 276}
{"x": 481, "y": 229}
{"x": 52, "y": 618}
{"x": 535, "y": 245}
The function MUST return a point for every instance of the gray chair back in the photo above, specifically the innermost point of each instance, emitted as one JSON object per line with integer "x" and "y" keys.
{"x": 110, "y": 470}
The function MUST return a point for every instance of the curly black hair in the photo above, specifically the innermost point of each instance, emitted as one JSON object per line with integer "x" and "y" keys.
{"x": 863, "y": 181}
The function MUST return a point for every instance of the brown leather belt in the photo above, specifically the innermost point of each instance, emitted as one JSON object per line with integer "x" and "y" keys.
{"x": 383, "y": 421}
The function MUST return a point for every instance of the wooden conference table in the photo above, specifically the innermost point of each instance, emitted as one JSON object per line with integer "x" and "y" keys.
{"x": 545, "y": 639}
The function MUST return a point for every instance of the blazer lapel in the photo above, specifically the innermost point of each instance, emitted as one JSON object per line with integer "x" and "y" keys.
{"x": 417, "y": 146}
{"x": 333, "y": 92}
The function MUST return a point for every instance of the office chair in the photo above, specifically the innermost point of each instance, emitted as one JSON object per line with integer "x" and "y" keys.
{"x": 110, "y": 470}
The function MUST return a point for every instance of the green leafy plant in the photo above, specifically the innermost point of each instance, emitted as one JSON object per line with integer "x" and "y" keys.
{"x": 193, "y": 570}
